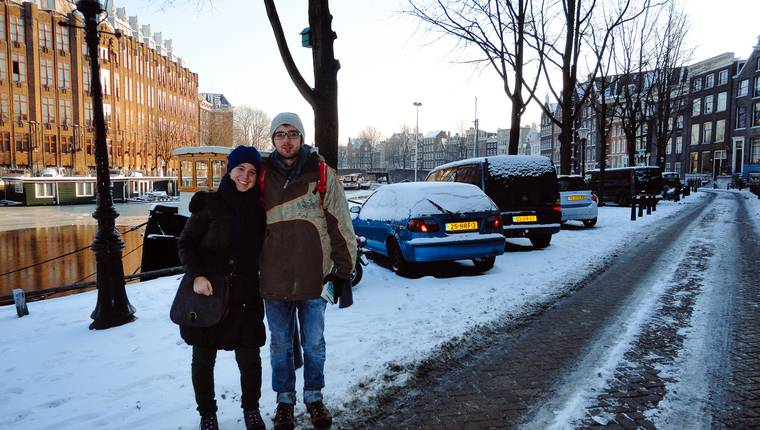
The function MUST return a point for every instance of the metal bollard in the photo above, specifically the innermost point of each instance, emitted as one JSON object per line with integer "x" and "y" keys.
{"x": 633, "y": 208}
{"x": 19, "y": 298}
{"x": 677, "y": 196}
{"x": 641, "y": 205}
{"x": 648, "y": 199}
{"x": 654, "y": 203}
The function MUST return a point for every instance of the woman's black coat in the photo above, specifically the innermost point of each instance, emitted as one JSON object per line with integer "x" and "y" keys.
{"x": 224, "y": 235}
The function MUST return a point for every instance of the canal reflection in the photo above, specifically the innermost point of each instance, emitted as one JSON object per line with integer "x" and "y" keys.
{"x": 22, "y": 248}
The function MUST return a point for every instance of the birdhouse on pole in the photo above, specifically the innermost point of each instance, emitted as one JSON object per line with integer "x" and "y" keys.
{"x": 306, "y": 37}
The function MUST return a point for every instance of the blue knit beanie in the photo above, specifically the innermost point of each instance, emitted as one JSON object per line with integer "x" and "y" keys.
{"x": 243, "y": 154}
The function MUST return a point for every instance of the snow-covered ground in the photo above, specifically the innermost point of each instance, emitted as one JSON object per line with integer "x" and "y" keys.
{"x": 58, "y": 374}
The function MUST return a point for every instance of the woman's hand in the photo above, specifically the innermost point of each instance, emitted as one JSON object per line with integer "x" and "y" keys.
{"x": 201, "y": 285}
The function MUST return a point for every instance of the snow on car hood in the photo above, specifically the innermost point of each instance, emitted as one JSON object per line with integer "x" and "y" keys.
{"x": 415, "y": 199}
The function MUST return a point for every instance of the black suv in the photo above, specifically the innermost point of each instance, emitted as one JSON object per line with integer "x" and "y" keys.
{"x": 621, "y": 183}
{"x": 524, "y": 187}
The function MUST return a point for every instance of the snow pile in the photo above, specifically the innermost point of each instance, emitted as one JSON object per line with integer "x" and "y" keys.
{"x": 58, "y": 374}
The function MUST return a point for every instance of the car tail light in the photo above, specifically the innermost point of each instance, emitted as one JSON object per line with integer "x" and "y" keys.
{"x": 422, "y": 226}
{"x": 557, "y": 206}
{"x": 594, "y": 198}
{"x": 494, "y": 221}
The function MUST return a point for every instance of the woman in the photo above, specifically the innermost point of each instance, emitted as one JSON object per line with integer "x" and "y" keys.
{"x": 223, "y": 236}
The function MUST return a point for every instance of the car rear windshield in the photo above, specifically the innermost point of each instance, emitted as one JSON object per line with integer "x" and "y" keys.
{"x": 572, "y": 184}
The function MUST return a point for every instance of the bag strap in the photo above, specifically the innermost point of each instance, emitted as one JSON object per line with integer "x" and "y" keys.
{"x": 322, "y": 184}
{"x": 262, "y": 183}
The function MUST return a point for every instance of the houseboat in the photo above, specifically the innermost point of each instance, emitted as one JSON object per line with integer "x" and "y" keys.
{"x": 68, "y": 190}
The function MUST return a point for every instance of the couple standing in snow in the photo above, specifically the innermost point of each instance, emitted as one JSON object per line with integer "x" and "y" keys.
{"x": 282, "y": 252}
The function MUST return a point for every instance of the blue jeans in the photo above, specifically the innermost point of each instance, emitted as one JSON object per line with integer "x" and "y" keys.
{"x": 311, "y": 318}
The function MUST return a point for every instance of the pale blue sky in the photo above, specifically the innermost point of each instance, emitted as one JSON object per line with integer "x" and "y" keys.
{"x": 387, "y": 63}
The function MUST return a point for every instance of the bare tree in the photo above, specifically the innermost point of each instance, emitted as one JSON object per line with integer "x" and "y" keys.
{"x": 560, "y": 47}
{"x": 494, "y": 28}
{"x": 251, "y": 127}
{"x": 323, "y": 98}
{"x": 370, "y": 135}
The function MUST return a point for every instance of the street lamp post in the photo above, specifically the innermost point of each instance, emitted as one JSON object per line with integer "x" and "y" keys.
{"x": 583, "y": 135}
{"x": 416, "y": 138}
{"x": 113, "y": 307}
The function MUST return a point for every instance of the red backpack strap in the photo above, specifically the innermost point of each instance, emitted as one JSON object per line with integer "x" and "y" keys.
{"x": 322, "y": 184}
{"x": 262, "y": 182}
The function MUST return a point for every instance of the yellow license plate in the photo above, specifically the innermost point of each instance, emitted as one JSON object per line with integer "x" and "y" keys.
{"x": 462, "y": 226}
{"x": 525, "y": 218}
{"x": 575, "y": 198}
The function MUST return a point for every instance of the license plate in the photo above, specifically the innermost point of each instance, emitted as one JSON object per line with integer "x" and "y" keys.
{"x": 462, "y": 226}
{"x": 525, "y": 218}
{"x": 576, "y": 198}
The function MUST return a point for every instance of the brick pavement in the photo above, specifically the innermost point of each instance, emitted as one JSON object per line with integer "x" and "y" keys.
{"x": 496, "y": 384}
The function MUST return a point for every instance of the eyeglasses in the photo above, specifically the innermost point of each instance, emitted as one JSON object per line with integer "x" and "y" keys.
{"x": 292, "y": 134}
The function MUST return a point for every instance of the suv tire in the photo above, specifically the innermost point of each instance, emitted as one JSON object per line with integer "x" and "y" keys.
{"x": 540, "y": 240}
{"x": 484, "y": 263}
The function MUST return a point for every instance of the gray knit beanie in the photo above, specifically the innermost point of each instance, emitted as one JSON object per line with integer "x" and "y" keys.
{"x": 287, "y": 118}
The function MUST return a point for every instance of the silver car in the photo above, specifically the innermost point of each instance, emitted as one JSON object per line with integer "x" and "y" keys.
{"x": 577, "y": 201}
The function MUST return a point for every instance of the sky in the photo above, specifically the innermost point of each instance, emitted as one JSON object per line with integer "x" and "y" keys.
{"x": 388, "y": 61}
{"x": 393, "y": 320}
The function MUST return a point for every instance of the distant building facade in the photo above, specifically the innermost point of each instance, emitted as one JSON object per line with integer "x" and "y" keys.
{"x": 220, "y": 120}
{"x": 46, "y": 115}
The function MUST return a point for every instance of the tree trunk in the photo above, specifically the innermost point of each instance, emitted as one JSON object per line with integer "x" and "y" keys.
{"x": 325, "y": 81}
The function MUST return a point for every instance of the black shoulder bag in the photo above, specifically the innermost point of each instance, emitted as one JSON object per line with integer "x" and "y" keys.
{"x": 191, "y": 309}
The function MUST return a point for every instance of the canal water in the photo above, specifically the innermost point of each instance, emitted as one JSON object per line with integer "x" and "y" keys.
{"x": 30, "y": 246}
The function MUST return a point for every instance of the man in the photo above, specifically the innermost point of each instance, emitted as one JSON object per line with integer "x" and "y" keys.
{"x": 309, "y": 240}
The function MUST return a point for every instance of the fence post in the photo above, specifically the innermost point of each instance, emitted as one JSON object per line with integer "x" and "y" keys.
{"x": 641, "y": 205}
{"x": 19, "y": 298}
{"x": 633, "y": 208}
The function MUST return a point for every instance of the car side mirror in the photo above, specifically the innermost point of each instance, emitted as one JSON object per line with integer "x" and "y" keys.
{"x": 355, "y": 209}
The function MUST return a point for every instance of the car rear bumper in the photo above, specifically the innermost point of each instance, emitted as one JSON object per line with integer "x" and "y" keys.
{"x": 579, "y": 213}
{"x": 524, "y": 230}
{"x": 454, "y": 247}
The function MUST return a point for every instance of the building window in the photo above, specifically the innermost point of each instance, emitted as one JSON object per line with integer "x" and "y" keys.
{"x": 679, "y": 122}
{"x": 64, "y": 75}
{"x": 756, "y": 114}
{"x": 46, "y": 36}
{"x": 723, "y": 77}
{"x": 720, "y": 130}
{"x": 5, "y": 141}
{"x": 707, "y": 162}
{"x": 755, "y": 151}
{"x": 22, "y": 141}
{"x": 708, "y": 104}
{"x": 19, "y": 107}
{"x": 46, "y": 73}
{"x": 694, "y": 134}
{"x": 4, "y": 107}
{"x": 50, "y": 144}
{"x": 709, "y": 81}
{"x": 64, "y": 108}
{"x": 2, "y": 26}
{"x": 85, "y": 189}
{"x": 697, "y": 84}
{"x": 721, "y": 104}
{"x": 707, "y": 132}
{"x": 741, "y": 117}
{"x": 743, "y": 89}
{"x": 3, "y": 67}
{"x": 694, "y": 162}
{"x": 86, "y": 81}
{"x": 696, "y": 107}
{"x": 669, "y": 147}
{"x": 43, "y": 190}
{"x": 88, "y": 114}
{"x": 679, "y": 144}
{"x": 17, "y": 29}
{"x": 62, "y": 39}
{"x": 48, "y": 110}
{"x": 18, "y": 62}
{"x": 757, "y": 87}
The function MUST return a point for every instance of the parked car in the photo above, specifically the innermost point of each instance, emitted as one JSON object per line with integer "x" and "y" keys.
{"x": 671, "y": 184}
{"x": 623, "y": 182}
{"x": 524, "y": 187}
{"x": 577, "y": 201}
{"x": 423, "y": 222}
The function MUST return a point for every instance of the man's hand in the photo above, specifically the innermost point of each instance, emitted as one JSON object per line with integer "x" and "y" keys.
{"x": 201, "y": 285}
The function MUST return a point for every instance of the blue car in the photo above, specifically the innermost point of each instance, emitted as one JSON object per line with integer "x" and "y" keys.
{"x": 430, "y": 221}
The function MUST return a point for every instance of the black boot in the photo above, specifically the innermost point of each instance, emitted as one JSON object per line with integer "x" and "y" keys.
{"x": 283, "y": 417}
{"x": 209, "y": 422}
{"x": 321, "y": 418}
{"x": 253, "y": 419}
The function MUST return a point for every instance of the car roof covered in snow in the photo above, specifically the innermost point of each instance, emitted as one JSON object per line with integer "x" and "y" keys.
{"x": 412, "y": 199}
{"x": 505, "y": 166}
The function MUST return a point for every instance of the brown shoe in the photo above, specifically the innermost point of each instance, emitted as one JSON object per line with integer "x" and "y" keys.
{"x": 283, "y": 417}
{"x": 253, "y": 420}
{"x": 320, "y": 416}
